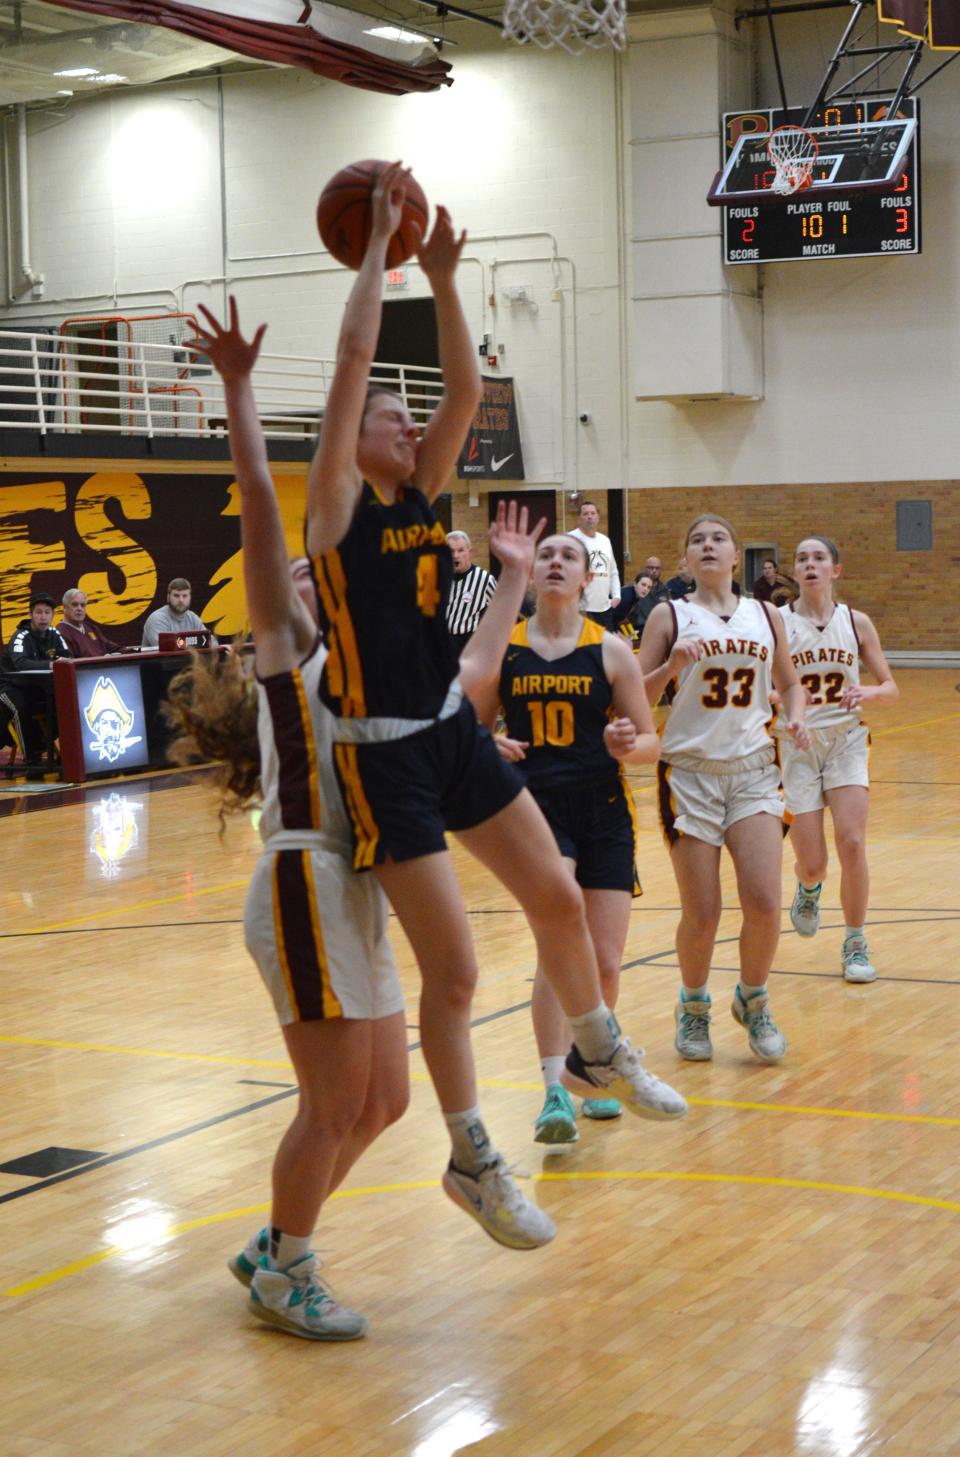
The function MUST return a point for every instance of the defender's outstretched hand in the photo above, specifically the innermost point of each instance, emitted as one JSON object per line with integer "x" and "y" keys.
{"x": 511, "y": 540}
{"x": 232, "y": 356}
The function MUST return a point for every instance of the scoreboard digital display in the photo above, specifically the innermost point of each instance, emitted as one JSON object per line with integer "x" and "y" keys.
{"x": 805, "y": 226}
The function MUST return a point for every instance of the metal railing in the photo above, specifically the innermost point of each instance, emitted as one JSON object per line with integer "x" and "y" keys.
{"x": 69, "y": 384}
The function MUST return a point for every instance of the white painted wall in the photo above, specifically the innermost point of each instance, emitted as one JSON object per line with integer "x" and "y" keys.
{"x": 860, "y": 357}
{"x": 126, "y": 204}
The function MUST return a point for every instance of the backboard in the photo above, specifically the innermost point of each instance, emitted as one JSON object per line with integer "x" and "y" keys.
{"x": 852, "y": 158}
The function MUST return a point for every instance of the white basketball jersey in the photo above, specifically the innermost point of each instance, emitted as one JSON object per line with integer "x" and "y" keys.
{"x": 828, "y": 662}
{"x": 302, "y": 806}
{"x": 721, "y": 709}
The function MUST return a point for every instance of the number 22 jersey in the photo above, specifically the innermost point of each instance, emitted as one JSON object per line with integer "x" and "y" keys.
{"x": 721, "y": 709}
{"x": 828, "y": 662}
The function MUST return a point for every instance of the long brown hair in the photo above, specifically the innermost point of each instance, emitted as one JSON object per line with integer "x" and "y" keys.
{"x": 212, "y": 705}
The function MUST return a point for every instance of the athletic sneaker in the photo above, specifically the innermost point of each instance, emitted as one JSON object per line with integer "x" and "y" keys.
{"x": 558, "y": 1118}
{"x": 296, "y": 1300}
{"x": 855, "y": 960}
{"x": 601, "y": 1108}
{"x": 244, "y": 1266}
{"x": 805, "y": 911}
{"x": 625, "y": 1077}
{"x": 692, "y": 1016}
{"x": 766, "y": 1040}
{"x": 492, "y": 1198}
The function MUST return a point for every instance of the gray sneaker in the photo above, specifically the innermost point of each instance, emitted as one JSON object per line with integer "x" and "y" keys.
{"x": 766, "y": 1040}
{"x": 805, "y": 911}
{"x": 855, "y": 960}
{"x": 693, "y": 1028}
{"x": 492, "y": 1198}
{"x": 296, "y": 1300}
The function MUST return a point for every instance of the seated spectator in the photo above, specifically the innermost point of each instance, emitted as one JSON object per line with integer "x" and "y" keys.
{"x": 638, "y": 601}
{"x": 654, "y": 570}
{"x": 34, "y": 645}
{"x": 682, "y": 583}
{"x": 767, "y": 580}
{"x": 82, "y": 636}
{"x": 175, "y": 617}
{"x": 775, "y": 586}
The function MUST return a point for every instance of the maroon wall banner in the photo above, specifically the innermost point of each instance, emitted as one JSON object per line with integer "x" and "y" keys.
{"x": 914, "y": 16}
{"x": 492, "y": 451}
{"x": 121, "y": 536}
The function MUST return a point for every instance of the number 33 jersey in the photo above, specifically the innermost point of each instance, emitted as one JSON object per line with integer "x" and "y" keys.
{"x": 721, "y": 710}
{"x": 827, "y": 660}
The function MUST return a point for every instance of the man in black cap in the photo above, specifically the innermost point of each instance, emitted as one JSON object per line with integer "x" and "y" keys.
{"x": 33, "y": 646}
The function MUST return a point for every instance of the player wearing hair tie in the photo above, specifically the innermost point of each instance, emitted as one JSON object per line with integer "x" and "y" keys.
{"x": 827, "y": 641}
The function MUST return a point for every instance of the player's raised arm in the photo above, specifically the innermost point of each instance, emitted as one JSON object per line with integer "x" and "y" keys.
{"x": 281, "y": 623}
{"x": 513, "y": 545}
{"x": 334, "y": 480}
{"x": 443, "y": 438}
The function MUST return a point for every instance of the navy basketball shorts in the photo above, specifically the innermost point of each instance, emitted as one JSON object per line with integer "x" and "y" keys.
{"x": 403, "y": 794}
{"x": 595, "y": 825}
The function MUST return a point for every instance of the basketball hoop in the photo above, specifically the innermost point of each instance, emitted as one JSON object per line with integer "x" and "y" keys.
{"x": 571, "y": 24}
{"x": 793, "y": 151}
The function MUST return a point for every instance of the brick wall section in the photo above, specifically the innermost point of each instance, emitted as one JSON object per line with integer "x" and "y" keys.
{"x": 910, "y": 595}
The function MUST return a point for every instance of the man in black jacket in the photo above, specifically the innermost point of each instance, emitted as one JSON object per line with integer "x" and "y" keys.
{"x": 33, "y": 646}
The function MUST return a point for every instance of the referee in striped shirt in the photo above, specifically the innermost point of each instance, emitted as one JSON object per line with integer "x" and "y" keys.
{"x": 471, "y": 591}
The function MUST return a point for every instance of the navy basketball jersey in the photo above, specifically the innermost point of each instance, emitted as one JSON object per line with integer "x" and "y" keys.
{"x": 383, "y": 596}
{"x": 560, "y": 709}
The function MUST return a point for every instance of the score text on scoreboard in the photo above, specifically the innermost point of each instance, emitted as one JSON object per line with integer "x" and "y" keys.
{"x": 805, "y": 226}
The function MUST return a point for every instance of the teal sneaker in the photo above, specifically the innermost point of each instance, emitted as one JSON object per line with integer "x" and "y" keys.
{"x": 766, "y": 1040}
{"x": 244, "y": 1266}
{"x": 558, "y": 1118}
{"x": 297, "y": 1301}
{"x": 805, "y": 910}
{"x": 855, "y": 960}
{"x": 692, "y": 1016}
{"x": 601, "y": 1108}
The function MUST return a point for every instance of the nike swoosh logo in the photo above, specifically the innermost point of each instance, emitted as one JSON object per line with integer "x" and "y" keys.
{"x": 496, "y": 464}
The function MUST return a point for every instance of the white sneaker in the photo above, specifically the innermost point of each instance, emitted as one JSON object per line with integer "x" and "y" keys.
{"x": 805, "y": 910}
{"x": 766, "y": 1040}
{"x": 855, "y": 960}
{"x": 626, "y": 1078}
{"x": 244, "y": 1266}
{"x": 492, "y": 1198}
{"x": 296, "y": 1300}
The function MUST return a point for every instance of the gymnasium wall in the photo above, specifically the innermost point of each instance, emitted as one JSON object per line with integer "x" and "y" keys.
{"x": 859, "y": 357}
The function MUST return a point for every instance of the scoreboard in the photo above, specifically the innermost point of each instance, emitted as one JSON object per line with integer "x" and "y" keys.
{"x": 804, "y": 226}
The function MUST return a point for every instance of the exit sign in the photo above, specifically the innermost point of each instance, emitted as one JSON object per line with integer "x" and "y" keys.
{"x": 396, "y": 278}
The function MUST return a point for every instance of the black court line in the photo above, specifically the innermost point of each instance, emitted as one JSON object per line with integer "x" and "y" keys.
{"x": 264, "y": 1083}
{"x": 290, "y": 1091}
{"x": 99, "y": 930}
{"x": 931, "y": 783}
{"x": 129, "y": 1153}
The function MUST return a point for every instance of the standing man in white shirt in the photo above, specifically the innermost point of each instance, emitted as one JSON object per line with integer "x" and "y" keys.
{"x": 602, "y": 594}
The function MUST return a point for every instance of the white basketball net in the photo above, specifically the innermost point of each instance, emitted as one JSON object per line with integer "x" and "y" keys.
{"x": 793, "y": 151}
{"x": 571, "y": 24}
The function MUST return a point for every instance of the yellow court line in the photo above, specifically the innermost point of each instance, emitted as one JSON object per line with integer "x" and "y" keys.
{"x": 167, "y": 900}
{"x": 148, "y": 1052}
{"x": 902, "y": 728}
{"x": 497, "y": 1084}
{"x": 76, "y": 1267}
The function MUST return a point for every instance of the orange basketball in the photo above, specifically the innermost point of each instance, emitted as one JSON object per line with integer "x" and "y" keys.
{"x": 344, "y": 215}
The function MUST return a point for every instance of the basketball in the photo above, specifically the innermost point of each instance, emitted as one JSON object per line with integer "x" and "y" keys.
{"x": 344, "y": 215}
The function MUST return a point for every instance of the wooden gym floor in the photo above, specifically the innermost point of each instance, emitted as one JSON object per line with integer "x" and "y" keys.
{"x": 778, "y": 1274}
